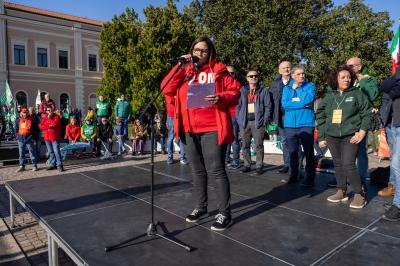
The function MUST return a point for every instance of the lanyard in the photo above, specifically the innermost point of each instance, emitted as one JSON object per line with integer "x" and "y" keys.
{"x": 338, "y": 104}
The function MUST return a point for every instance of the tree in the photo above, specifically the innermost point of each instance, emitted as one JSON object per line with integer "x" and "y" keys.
{"x": 260, "y": 34}
{"x": 137, "y": 55}
{"x": 117, "y": 35}
{"x": 313, "y": 32}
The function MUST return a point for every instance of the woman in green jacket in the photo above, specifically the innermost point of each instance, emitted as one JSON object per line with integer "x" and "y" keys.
{"x": 343, "y": 118}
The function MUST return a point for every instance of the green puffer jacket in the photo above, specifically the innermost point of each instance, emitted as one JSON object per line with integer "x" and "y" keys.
{"x": 356, "y": 113}
{"x": 123, "y": 109}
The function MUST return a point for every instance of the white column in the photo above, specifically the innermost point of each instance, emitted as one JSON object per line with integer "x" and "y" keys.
{"x": 3, "y": 45}
{"x": 79, "y": 88}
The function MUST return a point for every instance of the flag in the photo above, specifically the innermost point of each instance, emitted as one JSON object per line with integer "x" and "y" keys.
{"x": 395, "y": 51}
{"x": 38, "y": 98}
{"x": 6, "y": 96}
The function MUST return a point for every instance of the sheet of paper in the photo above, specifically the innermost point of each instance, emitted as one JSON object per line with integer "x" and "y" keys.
{"x": 197, "y": 93}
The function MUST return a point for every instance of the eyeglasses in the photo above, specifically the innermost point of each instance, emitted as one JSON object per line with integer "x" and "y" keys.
{"x": 353, "y": 65}
{"x": 252, "y": 76}
{"x": 197, "y": 50}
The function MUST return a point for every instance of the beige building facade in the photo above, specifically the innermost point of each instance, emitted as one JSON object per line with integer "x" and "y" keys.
{"x": 52, "y": 52}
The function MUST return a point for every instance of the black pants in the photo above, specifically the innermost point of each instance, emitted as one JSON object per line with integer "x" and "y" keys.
{"x": 206, "y": 159}
{"x": 344, "y": 156}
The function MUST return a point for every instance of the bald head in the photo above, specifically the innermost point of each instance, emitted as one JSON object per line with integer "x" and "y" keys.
{"x": 355, "y": 64}
{"x": 285, "y": 68}
{"x": 231, "y": 70}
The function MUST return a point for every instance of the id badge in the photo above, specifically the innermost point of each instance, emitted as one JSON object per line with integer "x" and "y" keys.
{"x": 296, "y": 99}
{"x": 337, "y": 116}
{"x": 250, "y": 108}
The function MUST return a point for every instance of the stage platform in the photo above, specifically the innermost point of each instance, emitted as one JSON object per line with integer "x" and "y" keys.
{"x": 274, "y": 223}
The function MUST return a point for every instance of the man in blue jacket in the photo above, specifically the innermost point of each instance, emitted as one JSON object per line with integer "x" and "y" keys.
{"x": 298, "y": 102}
{"x": 253, "y": 113}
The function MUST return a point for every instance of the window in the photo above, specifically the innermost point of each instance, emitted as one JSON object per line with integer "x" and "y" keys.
{"x": 63, "y": 59}
{"x": 92, "y": 62}
{"x": 64, "y": 101}
{"x": 92, "y": 100}
{"x": 19, "y": 54}
{"x": 21, "y": 98}
{"x": 42, "y": 57}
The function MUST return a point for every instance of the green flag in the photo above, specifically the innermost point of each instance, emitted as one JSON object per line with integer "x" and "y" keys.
{"x": 6, "y": 96}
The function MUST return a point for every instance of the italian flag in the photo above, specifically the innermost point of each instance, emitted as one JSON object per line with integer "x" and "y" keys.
{"x": 395, "y": 51}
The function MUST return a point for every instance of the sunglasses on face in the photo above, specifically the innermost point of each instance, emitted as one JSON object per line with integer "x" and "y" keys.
{"x": 252, "y": 76}
{"x": 48, "y": 110}
{"x": 353, "y": 65}
{"x": 204, "y": 51}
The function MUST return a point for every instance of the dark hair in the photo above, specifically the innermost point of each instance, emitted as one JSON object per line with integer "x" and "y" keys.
{"x": 333, "y": 76}
{"x": 212, "y": 54}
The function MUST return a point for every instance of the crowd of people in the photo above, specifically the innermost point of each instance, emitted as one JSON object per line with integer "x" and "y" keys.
{"x": 212, "y": 130}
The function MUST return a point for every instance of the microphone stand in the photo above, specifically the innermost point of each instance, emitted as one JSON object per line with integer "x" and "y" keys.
{"x": 152, "y": 227}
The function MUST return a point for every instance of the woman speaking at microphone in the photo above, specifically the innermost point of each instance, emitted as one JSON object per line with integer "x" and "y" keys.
{"x": 204, "y": 92}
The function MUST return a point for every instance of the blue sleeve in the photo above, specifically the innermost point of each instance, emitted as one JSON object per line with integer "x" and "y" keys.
{"x": 307, "y": 97}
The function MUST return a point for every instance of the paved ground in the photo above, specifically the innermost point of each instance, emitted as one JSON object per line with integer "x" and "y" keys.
{"x": 31, "y": 238}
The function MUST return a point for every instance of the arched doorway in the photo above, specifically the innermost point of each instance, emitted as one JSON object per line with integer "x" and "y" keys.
{"x": 64, "y": 101}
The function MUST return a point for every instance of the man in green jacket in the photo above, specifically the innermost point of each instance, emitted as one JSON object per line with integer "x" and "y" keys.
{"x": 123, "y": 109}
{"x": 103, "y": 109}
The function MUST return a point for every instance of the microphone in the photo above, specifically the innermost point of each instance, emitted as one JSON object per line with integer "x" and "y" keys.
{"x": 194, "y": 59}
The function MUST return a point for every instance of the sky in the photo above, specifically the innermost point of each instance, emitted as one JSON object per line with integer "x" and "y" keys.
{"x": 104, "y": 10}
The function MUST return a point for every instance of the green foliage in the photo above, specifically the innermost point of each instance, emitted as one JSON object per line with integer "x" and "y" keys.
{"x": 138, "y": 54}
{"x": 348, "y": 31}
{"x": 313, "y": 32}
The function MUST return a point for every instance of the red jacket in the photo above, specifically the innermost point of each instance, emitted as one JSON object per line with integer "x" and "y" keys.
{"x": 170, "y": 103}
{"x": 73, "y": 132}
{"x": 197, "y": 120}
{"x": 51, "y": 128}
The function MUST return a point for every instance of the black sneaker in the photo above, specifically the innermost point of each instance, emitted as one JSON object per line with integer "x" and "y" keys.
{"x": 283, "y": 170}
{"x": 387, "y": 206}
{"x": 51, "y": 167}
{"x": 290, "y": 180}
{"x": 221, "y": 222}
{"x": 259, "y": 171}
{"x": 245, "y": 169}
{"x": 196, "y": 215}
{"x": 393, "y": 214}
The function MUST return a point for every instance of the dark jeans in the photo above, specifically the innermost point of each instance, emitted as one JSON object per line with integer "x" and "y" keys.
{"x": 53, "y": 147}
{"x": 258, "y": 135}
{"x": 305, "y": 136}
{"x": 31, "y": 145}
{"x": 235, "y": 145}
{"x": 206, "y": 159}
{"x": 344, "y": 158}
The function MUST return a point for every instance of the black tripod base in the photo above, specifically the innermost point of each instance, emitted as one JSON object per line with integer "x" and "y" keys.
{"x": 151, "y": 232}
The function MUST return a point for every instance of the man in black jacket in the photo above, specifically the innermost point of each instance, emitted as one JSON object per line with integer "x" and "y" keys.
{"x": 276, "y": 89}
{"x": 104, "y": 134}
{"x": 390, "y": 114}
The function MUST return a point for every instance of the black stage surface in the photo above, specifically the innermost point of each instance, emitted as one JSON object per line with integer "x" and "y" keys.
{"x": 275, "y": 224}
